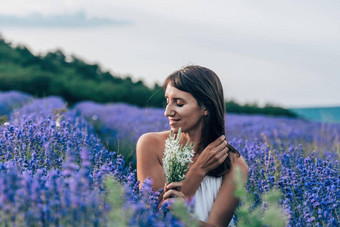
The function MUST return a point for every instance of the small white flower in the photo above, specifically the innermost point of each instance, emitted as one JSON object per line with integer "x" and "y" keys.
{"x": 176, "y": 158}
{"x": 94, "y": 117}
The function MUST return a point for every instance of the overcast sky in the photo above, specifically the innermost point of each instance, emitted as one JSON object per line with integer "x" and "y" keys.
{"x": 281, "y": 52}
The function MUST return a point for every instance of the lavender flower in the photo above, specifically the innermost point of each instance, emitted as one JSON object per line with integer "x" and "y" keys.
{"x": 53, "y": 165}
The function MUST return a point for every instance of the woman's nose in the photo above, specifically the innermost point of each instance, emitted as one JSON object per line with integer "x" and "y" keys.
{"x": 168, "y": 111}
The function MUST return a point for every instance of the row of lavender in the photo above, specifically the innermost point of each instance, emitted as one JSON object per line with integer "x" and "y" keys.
{"x": 53, "y": 167}
{"x": 120, "y": 126}
{"x": 48, "y": 156}
{"x": 297, "y": 157}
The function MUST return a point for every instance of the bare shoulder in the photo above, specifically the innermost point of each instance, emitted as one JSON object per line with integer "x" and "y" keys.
{"x": 152, "y": 139}
{"x": 237, "y": 162}
{"x": 150, "y": 148}
{"x": 152, "y": 142}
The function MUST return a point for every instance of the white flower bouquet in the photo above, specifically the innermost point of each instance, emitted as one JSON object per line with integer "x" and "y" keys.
{"x": 176, "y": 158}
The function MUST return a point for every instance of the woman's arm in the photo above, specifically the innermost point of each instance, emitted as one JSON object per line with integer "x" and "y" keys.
{"x": 148, "y": 160}
{"x": 225, "y": 203}
{"x": 211, "y": 157}
{"x": 149, "y": 164}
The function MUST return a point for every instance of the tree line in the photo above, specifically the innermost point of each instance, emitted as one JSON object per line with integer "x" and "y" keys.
{"x": 75, "y": 80}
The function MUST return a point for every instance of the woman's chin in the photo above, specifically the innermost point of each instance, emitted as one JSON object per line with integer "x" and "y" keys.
{"x": 174, "y": 128}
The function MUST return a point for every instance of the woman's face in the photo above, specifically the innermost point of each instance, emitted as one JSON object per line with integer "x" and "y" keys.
{"x": 183, "y": 110}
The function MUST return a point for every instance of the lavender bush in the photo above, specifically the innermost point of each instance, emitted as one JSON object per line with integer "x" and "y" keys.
{"x": 49, "y": 168}
{"x": 297, "y": 157}
{"x": 9, "y": 101}
{"x": 120, "y": 125}
{"x": 53, "y": 167}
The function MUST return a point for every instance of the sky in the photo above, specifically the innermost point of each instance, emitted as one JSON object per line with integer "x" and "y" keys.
{"x": 279, "y": 52}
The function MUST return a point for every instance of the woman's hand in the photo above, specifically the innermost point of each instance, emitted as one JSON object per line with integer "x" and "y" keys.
{"x": 171, "y": 191}
{"x": 210, "y": 158}
{"x": 213, "y": 155}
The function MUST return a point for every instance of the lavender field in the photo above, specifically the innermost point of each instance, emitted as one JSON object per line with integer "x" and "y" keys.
{"x": 55, "y": 162}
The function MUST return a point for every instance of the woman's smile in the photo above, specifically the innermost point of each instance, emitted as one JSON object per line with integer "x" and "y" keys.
{"x": 173, "y": 121}
{"x": 182, "y": 110}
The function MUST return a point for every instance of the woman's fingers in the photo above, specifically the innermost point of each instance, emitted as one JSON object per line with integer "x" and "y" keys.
{"x": 174, "y": 185}
{"x": 218, "y": 155}
{"x": 165, "y": 189}
{"x": 218, "y": 152}
{"x": 224, "y": 157}
{"x": 214, "y": 154}
{"x": 222, "y": 152}
{"x": 214, "y": 147}
{"x": 222, "y": 145}
{"x": 218, "y": 141}
{"x": 172, "y": 193}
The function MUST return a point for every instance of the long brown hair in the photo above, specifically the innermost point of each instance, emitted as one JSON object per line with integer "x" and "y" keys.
{"x": 205, "y": 86}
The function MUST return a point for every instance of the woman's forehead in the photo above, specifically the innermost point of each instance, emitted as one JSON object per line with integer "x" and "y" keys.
{"x": 172, "y": 92}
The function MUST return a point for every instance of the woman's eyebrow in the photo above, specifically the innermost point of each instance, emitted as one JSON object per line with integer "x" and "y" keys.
{"x": 177, "y": 98}
{"x": 174, "y": 98}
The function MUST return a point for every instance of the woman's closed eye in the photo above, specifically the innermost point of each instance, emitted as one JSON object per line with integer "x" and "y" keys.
{"x": 179, "y": 104}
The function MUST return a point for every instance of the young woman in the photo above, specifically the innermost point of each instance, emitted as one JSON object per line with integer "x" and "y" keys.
{"x": 195, "y": 103}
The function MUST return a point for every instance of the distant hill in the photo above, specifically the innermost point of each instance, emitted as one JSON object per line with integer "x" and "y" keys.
{"x": 75, "y": 80}
{"x": 69, "y": 77}
{"x": 322, "y": 114}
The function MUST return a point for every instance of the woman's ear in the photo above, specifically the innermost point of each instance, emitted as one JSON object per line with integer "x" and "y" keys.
{"x": 206, "y": 113}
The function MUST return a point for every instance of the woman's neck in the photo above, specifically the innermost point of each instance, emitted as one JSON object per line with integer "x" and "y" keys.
{"x": 191, "y": 138}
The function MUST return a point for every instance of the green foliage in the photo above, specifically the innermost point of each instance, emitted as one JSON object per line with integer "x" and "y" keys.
{"x": 181, "y": 212}
{"x": 72, "y": 79}
{"x": 233, "y": 107}
{"x": 3, "y": 119}
{"x": 75, "y": 80}
{"x": 268, "y": 215}
{"x": 117, "y": 216}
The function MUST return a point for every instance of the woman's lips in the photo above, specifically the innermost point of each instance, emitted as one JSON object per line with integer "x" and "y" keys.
{"x": 173, "y": 121}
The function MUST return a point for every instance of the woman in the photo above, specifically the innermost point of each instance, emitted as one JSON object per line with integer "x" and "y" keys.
{"x": 195, "y": 103}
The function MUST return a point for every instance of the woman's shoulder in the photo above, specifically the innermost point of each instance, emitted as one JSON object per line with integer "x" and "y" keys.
{"x": 153, "y": 137}
{"x": 152, "y": 141}
{"x": 237, "y": 162}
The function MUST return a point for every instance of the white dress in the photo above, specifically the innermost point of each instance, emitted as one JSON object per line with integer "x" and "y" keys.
{"x": 205, "y": 197}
